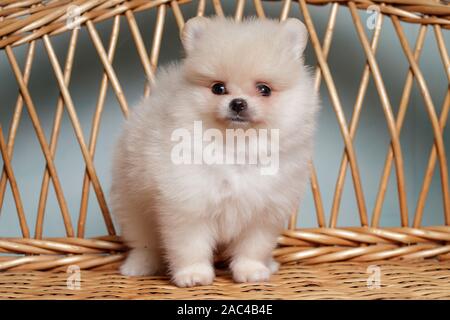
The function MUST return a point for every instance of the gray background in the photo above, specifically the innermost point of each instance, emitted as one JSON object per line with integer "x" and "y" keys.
{"x": 346, "y": 63}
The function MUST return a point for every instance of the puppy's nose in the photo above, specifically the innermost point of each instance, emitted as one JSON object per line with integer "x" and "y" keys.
{"x": 238, "y": 105}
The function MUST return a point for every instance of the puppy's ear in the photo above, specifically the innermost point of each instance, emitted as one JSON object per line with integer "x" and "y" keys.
{"x": 192, "y": 31}
{"x": 297, "y": 35}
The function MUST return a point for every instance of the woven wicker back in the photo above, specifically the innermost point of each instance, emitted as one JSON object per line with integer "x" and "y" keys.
{"x": 28, "y": 24}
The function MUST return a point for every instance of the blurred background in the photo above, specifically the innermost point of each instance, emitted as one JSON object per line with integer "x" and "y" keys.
{"x": 346, "y": 60}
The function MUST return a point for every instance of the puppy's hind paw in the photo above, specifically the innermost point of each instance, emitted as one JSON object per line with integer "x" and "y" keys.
{"x": 273, "y": 266}
{"x": 140, "y": 262}
{"x": 194, "y": 275}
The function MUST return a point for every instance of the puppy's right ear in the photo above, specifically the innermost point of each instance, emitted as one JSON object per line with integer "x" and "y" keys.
{"x": 192, "y": 31}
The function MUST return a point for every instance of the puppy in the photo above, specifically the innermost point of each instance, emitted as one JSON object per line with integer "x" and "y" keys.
{"x": 236, "y": 76}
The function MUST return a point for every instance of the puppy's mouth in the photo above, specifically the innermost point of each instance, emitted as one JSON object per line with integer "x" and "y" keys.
{"x": 238, "y": 119}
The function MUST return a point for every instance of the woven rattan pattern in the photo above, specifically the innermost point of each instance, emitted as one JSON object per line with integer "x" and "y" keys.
{"x": 32, "y": 22}
{"x": 20, "y": 24}
{"x": 340, "y": 280}
{"x": 22, "y": 17}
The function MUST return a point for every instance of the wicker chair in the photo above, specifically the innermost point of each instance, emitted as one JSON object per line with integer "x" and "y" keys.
{"x": 322, "y": 262}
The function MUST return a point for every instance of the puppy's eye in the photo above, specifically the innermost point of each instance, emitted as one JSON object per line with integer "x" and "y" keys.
{"x": 219, "y": 88}
{"x": 263, "y": 89}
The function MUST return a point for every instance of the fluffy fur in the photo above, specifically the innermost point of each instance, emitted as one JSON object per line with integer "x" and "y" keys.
{"x": 178, "y": 216}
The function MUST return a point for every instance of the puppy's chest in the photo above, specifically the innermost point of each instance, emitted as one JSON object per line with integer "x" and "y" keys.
{"x": 240, "y": 189}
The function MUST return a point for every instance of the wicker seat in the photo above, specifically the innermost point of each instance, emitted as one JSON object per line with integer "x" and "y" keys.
{"x": 339, "y": 280}
{"x": 325, "y": 262}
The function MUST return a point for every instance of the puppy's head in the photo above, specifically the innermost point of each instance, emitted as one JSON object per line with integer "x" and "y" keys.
{"x": 243, "y": 73}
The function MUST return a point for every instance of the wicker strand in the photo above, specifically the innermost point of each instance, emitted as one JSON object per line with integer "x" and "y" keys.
{"x": 96, "y": 126}
{"x": 25, "y": 22}
{"x": 315, "y": 245}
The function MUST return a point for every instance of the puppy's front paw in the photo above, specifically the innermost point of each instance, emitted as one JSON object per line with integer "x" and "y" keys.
{"x": 140, "y": 262}
{"x": 247, "y": 270}
{"x": 194, "y": 275}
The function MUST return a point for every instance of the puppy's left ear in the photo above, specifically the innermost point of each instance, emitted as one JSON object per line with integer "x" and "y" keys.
{"x": 192, "y": 31}
{"x": 297, "y": 35}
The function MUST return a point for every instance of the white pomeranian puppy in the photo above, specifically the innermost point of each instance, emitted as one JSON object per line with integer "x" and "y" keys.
{"x": 237, "y": 76}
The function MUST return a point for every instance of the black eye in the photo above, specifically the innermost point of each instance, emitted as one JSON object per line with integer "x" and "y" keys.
{"x": 264, "y": 89}
{"x": 219, "y": 88}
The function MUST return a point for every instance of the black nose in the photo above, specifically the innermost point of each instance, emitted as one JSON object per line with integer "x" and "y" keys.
{"x": 238, "y": 105}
